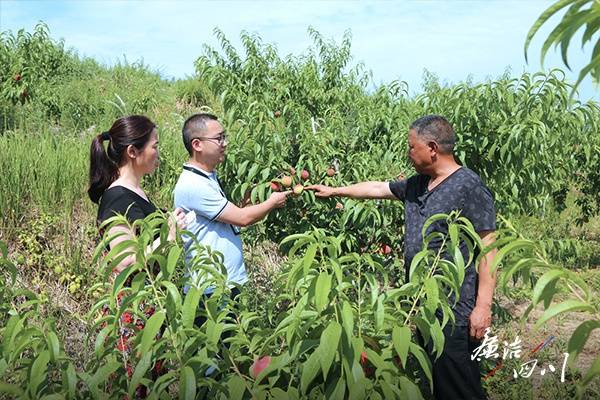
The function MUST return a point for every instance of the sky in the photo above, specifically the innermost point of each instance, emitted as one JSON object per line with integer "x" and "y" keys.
{"x": 455, "y": 40}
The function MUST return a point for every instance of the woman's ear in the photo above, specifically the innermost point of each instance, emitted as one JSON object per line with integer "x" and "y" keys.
{"x": 132, "y": 152}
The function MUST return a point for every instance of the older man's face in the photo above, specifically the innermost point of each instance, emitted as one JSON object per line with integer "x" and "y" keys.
{"x": 418, "y": 152}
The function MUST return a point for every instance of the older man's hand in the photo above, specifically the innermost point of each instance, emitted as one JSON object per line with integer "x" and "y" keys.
{"x": 479, "y": 320}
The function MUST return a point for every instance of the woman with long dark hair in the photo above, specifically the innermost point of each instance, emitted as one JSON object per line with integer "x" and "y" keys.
{"x": 116, "y": 172}
{"x": 119, "y": 158}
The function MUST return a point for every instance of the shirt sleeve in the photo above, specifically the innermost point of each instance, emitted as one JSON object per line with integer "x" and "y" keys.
{"x": 479, "y": 208}
{"x": 204, "y": 200}
{"x": 121, "y": 204}
{"x": 398, "y": 188}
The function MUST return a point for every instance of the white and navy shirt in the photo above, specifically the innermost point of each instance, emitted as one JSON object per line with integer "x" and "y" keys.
{"x": 199, "y": 191}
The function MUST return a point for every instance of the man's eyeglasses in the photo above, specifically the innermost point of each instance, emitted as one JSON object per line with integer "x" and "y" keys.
{"x": 221, "y": 139}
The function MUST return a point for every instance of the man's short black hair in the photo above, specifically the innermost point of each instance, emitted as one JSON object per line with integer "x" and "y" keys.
{"x": 436, "y": 128}
{"x": 193, "y": 127}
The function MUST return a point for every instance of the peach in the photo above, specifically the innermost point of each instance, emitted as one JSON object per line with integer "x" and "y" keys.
{"x": 286, "y": 181}
{"x": 298, "y": 189}
{"x": 259, "y": 365}
{"x": 385, "y": 249}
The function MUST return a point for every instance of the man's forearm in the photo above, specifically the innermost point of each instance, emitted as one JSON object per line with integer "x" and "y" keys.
{"x": 481, "y": 317}
{"x": 364, "y": 190}
{"x": 487, "y": 281}
{"x": 255, "y": 213}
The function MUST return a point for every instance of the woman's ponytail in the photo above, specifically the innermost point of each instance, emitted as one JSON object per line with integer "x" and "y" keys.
{"x": 103, "y": 171}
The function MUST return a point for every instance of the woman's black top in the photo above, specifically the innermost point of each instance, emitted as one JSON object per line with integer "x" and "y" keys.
{"x": 120, "y": 200}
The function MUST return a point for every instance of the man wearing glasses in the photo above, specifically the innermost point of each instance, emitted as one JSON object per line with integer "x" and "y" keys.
{"x": 211, "y": 218}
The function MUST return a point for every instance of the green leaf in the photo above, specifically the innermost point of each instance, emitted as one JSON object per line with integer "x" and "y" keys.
{"x": 279, "y": 394}
{"x": 121, "y": 278}
{"x": 322, "y": 290}
{"x": 161, "y": 385}
{"x": 543, "y": 281}
{"x": 571, "y": 26}
{"x": 511, "y": 247}
{"x": 379, "y": 313}
{"x": 590, "y": 30}
{"x": 11, "y": 389}
{"x": 437, "y": 336}
{"x": 150, "y": 330}
{"x": 101, "y": 375}
{"x": 594, "y": 63}
{"x": 213, "y": 331}
{"x": 236, "y": 388}
{"x": 432, "y": 292}
{"x": 555, "y": 35}
{"x": 565, "y": 306}
{"x": 580, "y": 336}
{"x": 309, "y": 257}
{"x": 187, "y": 385}
{"x": 190, "y": 306}
{"x": 297, "y": 238}
{"x": 375, "y": 359}
{"x": 140, "y": 370}
{"x": 453, "y": 233}
{"x": 356, "y": 390}
{"x": 337, "y": 270}
{"x": 423, "y": 360}
{"x": 54, "y": 396}
{"x": 13, "y": 327}
{"x": 173, "y": 303}
{"x": 309, "y": 371}
{"x": 401, "y": 338}
{"x": 409, "y": 389}
{"x": 71, "y": 380}
{"x": 431, "y": 220}
{"x": 348, "y": 319}
{"x": 329, "y": 345}
{"x": 388, "y": 390}
{"x": 100, "y": 339}
{"x": 417, "y": 262}
{"x": 339, "y": 391}
{"x": 174, "y": 254}
{"x": 37, "y": 374}
{"x": 53, "y": 345}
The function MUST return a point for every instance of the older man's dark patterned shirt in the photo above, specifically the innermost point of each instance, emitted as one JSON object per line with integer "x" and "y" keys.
{"x": 463, "y": 190}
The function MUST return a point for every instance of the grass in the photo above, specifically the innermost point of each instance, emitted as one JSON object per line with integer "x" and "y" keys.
{"x": 43, "y": 169}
